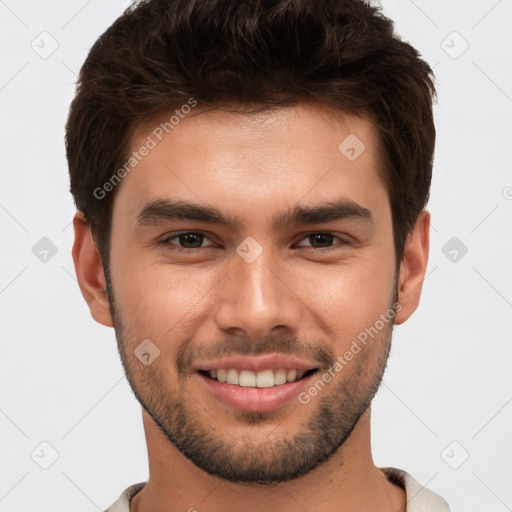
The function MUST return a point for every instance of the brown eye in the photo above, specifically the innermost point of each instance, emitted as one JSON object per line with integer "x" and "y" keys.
{"x": 190, "y": 240}
{"x": 321, "y": 240}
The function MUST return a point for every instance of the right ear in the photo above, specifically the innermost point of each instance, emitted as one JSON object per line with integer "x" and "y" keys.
{"x": 89, "y": 271}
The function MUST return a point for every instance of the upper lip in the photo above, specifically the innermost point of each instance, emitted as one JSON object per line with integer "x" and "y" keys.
{"x": 257, "y": 363}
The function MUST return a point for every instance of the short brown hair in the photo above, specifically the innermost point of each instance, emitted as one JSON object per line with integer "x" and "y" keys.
{"x": 160, "y": 53}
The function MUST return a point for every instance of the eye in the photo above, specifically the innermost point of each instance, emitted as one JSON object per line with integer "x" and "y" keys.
{"x": 187, "y": 241}
{"x": 322, "y": 240}
{"x": 191, "y": 241}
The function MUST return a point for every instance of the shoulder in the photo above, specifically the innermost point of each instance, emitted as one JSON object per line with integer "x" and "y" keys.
{"x": 419, "y": 498}
{"x": 123, "y": 502}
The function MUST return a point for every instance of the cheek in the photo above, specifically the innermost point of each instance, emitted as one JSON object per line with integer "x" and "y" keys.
{"x": 348, "y": 298}
{"x": 156, "y": 299}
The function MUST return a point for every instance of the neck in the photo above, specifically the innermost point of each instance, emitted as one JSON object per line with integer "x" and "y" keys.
{"x": 349, "y": 481}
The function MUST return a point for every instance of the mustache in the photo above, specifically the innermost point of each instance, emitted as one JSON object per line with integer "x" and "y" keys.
{"x": 245, "y": 346}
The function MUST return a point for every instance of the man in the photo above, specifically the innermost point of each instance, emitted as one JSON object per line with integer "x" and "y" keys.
{"x": 250, "y": 179}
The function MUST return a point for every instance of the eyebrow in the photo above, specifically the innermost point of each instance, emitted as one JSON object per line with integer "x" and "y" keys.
{"x": 162, "y": 210}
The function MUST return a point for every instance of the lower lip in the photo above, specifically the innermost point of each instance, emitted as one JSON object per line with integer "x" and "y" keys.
{"x": 256, "y": 399}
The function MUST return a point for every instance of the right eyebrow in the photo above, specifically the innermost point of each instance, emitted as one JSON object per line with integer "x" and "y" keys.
{"x": 166, "y": 209}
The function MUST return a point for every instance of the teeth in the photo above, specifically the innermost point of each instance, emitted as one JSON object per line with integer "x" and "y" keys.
{"x": 291, "y": 375}
{"x": 280, "y": 377}
{"x": 247, "y": 379}
{"x": 264, "y": 379}
{"x": 232, "y": 377}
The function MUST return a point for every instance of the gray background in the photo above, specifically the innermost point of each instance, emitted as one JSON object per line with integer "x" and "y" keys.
{"x": 443, "y": 410}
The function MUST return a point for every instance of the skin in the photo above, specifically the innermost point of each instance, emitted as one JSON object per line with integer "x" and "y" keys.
{"x": 295, "y": 298}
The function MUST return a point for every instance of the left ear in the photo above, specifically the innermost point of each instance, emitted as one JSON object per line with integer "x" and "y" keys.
{"x": 413, "y": 267}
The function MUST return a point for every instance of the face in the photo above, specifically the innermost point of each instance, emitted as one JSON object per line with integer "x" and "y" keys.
{"x": 256, "y": 254}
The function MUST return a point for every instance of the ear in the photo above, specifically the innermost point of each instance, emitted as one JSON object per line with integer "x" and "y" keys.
{"x": 89, "y": 271}
{"x": 413, "y": 268}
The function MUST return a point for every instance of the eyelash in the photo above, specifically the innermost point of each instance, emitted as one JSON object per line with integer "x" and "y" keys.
{"x": 167, "y": 241}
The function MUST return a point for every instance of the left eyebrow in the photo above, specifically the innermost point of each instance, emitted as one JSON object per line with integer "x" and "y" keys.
{"x": 338, "y": 209}
{"x": 162, "y": 210}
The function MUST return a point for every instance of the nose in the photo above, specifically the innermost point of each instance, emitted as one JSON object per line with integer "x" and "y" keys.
{"x": 257, "y": 299}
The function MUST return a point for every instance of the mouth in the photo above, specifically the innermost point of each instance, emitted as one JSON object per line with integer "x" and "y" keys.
{"x": 256, "y": 384}
{"x": 267, "y": 378}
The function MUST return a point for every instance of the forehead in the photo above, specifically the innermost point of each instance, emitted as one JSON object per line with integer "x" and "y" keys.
{"x": 254, "y": 162}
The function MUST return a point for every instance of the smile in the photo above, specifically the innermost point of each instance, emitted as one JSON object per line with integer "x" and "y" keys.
{"x": 263, "y": 379}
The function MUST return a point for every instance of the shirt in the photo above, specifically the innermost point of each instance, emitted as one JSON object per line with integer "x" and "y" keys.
{"x": 419, "y": 498}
